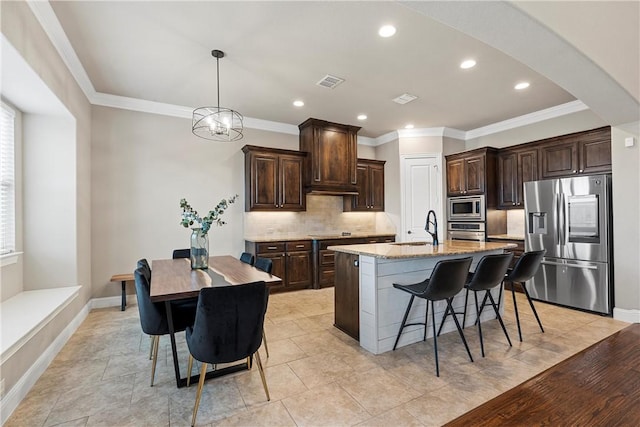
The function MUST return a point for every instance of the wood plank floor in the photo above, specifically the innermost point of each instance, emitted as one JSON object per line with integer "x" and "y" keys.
{"x": 600, "y": 386}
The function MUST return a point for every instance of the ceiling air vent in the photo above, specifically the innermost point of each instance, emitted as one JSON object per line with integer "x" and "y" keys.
{"x": 330, "y": 81}
{"x": 405, "y": 98}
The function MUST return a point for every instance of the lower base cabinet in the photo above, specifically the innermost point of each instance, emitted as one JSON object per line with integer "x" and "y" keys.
{"x": 347, "y": 279}
{"x": 291, "y": 262}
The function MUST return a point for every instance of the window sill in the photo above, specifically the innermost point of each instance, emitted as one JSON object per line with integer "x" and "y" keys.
{"x": 10, "y": 258}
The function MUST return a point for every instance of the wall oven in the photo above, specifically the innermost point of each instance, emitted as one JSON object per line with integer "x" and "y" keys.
{"x": 465, "y": 208}
{"x": 473, "y": 231}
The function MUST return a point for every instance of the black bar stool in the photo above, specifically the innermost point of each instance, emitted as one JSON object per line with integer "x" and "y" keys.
{"x": 446, "y": 281}
{"x": 489, "y": 273}
{"x": 525, "y": 268}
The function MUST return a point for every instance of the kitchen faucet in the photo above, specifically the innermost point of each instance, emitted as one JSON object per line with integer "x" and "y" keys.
{"x": 434, "y": 235}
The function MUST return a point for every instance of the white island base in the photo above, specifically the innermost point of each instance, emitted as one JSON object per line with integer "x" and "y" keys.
{"x": 382, "y": 306}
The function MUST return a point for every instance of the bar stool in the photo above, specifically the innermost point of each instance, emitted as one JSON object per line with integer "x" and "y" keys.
{"x": 446, "y": 281}
{"x": 525, "y": 268}
{"x": 489, "y": 273}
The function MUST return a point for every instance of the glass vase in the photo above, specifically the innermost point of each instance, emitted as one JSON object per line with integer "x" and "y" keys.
{"x": 199, "y": 249}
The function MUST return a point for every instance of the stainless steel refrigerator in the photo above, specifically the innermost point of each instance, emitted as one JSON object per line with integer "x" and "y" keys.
{"x": 571, "y": 219}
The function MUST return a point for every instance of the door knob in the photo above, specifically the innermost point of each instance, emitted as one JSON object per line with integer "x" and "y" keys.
{"x": 409, "y": 232}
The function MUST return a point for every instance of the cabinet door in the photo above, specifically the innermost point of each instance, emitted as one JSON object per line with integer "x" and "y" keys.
{"x": 292, "y": 197}
{"x": 559, "y": 160}
{"x": 595, "y": 156}
{"x": 264, "y": 182}
{"x": 507, "y": 171}
{"x": 376, "y": 188}
{"x": 347, "y": 300}
{"x": 527, "y": 171}
{"x": 298, "y": 269}
{"x": 475, "y": 175}
{"x": 361, "y": 201}
{"x": 279, "y": 268}
{"x": 334, "y": 155}
{"x": 455, "y": 177}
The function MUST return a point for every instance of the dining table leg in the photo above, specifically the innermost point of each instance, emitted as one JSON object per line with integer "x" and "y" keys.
{"x": 172, "y": 335}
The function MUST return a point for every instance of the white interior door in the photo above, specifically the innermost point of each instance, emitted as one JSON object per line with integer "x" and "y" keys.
{"x": 422, "y": 189}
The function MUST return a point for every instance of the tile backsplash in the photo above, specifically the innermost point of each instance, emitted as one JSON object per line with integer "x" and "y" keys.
{"x": 515, "y": 222}
{"x": 323, "y": 216}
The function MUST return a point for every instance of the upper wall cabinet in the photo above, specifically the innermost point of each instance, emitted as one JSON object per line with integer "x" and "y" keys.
{"x": 273, "y": 179}
{"x": 515, "y": 166}
{"x": 370, "y": 198}
{"x": 471, "y": 172}
{"x": 578, "y": 153}
{"x": 332, "y": 155}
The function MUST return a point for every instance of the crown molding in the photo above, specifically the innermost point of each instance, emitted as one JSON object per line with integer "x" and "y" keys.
{"x": 50, "y": 24}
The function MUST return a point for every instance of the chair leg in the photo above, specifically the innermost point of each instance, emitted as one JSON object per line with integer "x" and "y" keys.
{"x": 444, "y": 317}
{"x": 264, "y": 380}
{"x": 515, "y": 308}
{"x": 464, "y": 341}
{"x": 151, "y": 338}
{"x": 203, "y": 373}
{"x": 495, "y": 308}
{"x": 189, "y": 368}
{"x": 435, "y": 337}
{"x": 156, "y": 342}
{"x": 475, "y": 297}
{"x": 500, "y": 294}
{"x": 464, "y": 313}
{"x": 404, "y": 320}
{"x": 535, "y": 313}
{"x": 478, "y": 313}
{"x": 249, "y": 363}
{"x": 264, "y": 339}
{"x": 426, "y": 320}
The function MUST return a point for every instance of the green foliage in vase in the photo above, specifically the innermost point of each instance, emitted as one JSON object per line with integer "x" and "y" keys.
{"x": 190, "y": 216}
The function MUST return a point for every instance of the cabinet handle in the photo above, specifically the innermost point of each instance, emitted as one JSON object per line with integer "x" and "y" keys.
{"x": 356, "y": 263}
{"x": 574, "y": 171}
{"x": 514, "y": 203}
{"x": 581, "y": 170}
{"x": 272, "y": 247}
{"x": 299, "y": 246}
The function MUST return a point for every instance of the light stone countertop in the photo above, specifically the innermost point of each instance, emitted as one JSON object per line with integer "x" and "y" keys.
{"x": 311, "y": 236}
{"x": 421, "y": 249}
{"x": 506, "y": 237}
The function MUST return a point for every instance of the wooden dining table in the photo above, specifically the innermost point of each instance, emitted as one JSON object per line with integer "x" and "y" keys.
{"x": 173, "y": 280}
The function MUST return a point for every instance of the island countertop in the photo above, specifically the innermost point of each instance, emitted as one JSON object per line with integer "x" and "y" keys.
{"x": 421, "y": 249}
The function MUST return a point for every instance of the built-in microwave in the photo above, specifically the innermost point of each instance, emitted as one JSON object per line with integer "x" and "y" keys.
{"x": 465, "y": 208}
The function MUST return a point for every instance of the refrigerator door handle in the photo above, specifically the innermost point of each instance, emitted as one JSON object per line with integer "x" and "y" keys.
{"x": 588, "y": 267}
{"x": 562, "y": 219}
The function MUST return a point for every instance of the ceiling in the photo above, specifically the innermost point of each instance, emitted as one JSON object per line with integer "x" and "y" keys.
{"x": 277, "y": 51}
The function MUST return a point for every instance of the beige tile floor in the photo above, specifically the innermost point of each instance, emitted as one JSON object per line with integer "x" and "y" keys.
{"x": 317, "y": 375}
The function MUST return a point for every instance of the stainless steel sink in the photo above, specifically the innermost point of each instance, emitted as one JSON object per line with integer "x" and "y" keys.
{"x": 410, "y": 243}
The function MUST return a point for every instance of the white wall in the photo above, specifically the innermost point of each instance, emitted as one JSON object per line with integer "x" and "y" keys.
{"x": 50, "y": 257}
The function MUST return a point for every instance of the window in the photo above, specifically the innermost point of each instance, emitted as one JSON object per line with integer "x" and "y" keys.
{"x": 7, "y": 182}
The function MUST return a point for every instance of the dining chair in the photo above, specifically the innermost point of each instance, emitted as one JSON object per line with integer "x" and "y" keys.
{"x": 247, "y": 258}
{"x": 266, "y": 265}
{"x": 488, "y": 274}
{"x": 228, "y": 327}
{"x": 446, "y": 281}
{"x": 181, "y": 253}
{"x": 153, "y": 316}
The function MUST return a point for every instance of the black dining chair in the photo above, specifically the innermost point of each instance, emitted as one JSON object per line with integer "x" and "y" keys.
{"x": 228, "y": 328}
{"x": 181, "y": 253}
{"x": 247, "y": 258}
{"x": 266, "y": 265}
{"x": 489, "y": 273}
{"x": 446, "y": 281}
{"x": 153, "y": 316}
{"x": 525, "y": 268}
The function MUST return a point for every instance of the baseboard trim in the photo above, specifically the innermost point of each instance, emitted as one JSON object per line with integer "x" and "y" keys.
{"x": 18, "y": 392}
{"x": 115, "y": 301}
{"x": 630, "y": 316}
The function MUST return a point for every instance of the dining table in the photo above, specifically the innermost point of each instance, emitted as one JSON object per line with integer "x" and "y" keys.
{"x": 174, "y": 280}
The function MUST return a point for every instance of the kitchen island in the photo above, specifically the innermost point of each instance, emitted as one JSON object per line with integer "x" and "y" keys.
{"x": 370, "y": 309}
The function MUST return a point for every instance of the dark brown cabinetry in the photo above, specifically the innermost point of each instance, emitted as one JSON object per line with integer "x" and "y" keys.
{"x": 273, "y": 179}
{"x": 291, "y": 262}
{"x": 515, "y": 167}
{"x": 332, "y": 155}
{"x": 347, "y": 300}
{"x": 370, "y": 178}
{"x": 471, "y": 172}
{"x": 578, "y": 153}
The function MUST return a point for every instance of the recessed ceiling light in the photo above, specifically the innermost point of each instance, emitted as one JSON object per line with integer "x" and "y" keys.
{"x": 387, "y": 31}
{"x": 469, "y": 63}
{"x": 298, "y": 103}
{"x": 362, "y": 117}
{"x": 408, "y": 126}
{"x": 521, "y": 85}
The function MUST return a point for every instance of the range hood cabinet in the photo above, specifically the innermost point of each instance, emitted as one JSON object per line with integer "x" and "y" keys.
{"x": 332, "y": 152}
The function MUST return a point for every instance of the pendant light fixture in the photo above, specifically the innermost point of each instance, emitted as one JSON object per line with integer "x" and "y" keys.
{"x": 217, "y": 123}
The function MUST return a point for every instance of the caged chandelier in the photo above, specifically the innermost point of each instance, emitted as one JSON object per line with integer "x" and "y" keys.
{"x": 217, "y": 123}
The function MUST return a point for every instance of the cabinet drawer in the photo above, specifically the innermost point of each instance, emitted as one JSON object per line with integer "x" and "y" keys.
{"x": 327, "y": 275}
{"x": 265, "y": 248}
{"x": 298, "y": 246}
{"x": 327, "y": 257}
